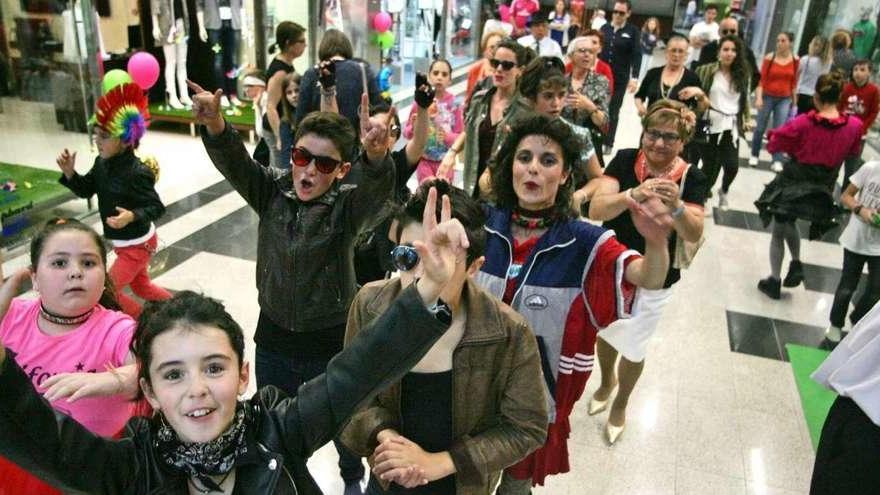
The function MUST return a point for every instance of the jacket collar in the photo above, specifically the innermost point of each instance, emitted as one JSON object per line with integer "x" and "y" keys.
{"x": 122, "y": 158}
{"x": 483, "y": 314}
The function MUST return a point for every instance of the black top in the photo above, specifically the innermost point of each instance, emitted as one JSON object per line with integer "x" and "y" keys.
{"x": 275, "y": 66}
{"x": 485, "y": 141}
{"x": 623, "y": 52}
{"x": 349, "y": 87}
{"x": 650, "y": 90}
{"x": 622, "y": 168}
{"x": 123, "y": 181}
{"x": 426, "y": 419}
{"x": 303, "y": 345}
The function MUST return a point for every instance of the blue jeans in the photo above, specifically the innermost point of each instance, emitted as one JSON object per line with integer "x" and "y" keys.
{"x": 779, "y": 107}
{"x": 288, "y": 374}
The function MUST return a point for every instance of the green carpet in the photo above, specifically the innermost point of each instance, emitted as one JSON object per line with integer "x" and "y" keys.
{"x": 242, "y": 115}
{"x": 816, "y": 400}
{"x": 43, "y": 183}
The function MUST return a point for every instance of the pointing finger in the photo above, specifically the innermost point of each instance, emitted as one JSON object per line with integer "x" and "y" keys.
{"x": 195, "y": 87}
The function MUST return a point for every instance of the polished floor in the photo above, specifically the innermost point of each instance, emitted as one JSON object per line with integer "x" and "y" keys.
{"x": 716, "y": 410}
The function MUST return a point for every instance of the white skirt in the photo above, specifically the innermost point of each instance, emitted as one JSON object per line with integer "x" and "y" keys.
{"x": 630, "y": 336}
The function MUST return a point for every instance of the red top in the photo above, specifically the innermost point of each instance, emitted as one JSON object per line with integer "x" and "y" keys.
{"x": 815, "y": 140}
{"x": 603, "y": 68}
{"x": 779, "y": 80}
{"x": 861, "y": 102}
{"x": 478, "y": 71}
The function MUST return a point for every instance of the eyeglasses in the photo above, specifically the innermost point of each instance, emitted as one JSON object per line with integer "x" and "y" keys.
{"x": 619, "y": 12}
{"x": 404, "y": 257}
{"x": 505, "y": 64}
{"x": 725, "y": 32}
{"x": 301, "y": 157}
{"x": 669, "y": 138}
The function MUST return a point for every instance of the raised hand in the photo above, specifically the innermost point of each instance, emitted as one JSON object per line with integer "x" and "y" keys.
{"x": 652, "y": 220}
{"x": 66, "y": 162}
{"x": 374, "y": 131}
{"x": 424, "y": 94}
{"x": 206, "y": 108}
{"x": 327, "y": 74}
{"x": 445, "y": 244}
{"x": 123, "y": 218}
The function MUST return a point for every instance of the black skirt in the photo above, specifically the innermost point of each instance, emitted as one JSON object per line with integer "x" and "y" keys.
{"x": 804, "y": 192}
{"x": 848, "y": 455}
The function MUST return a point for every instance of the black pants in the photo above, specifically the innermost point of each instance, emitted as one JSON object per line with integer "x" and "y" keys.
{"x": 614, "y": 110}
{"x": 720, "y": 151}
{"x": 223, "y": 44}
{"x": 849, "y": 279}
{"x": 288, "y": 374}
{"x": 848, "y": 453}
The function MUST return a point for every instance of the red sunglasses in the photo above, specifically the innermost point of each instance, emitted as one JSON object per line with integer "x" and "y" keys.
{"x": 301, "y": 157}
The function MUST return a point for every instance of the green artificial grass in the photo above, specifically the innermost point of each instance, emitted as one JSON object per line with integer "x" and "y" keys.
{"x": 816, "y": 400}
{"x": 43, "y": 183}
{"x": 242, "y": 115}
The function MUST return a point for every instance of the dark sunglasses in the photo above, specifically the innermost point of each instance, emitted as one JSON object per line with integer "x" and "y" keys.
{"x": 505, "y": 64}
{"x": 404, "y": 257}
{"x": 725, "y": 32}
{"x": 301, "y": 157}
{"x": 619, "y": 12}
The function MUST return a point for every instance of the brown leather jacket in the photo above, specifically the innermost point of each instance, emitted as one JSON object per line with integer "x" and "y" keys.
{"x": 499, "y": 404}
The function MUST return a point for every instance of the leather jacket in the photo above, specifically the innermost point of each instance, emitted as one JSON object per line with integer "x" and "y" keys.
{"x": 499, "y": 403}
{"x": 305, "y": 250}
{"x": 280, "y": 429}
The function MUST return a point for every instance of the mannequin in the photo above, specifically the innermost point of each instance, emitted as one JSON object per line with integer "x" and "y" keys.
{"x": 223, "y": 20}
{"x": 170, "y": 26}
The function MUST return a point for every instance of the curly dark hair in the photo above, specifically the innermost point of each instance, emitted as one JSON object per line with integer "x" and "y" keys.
{"x": 739, "y": 69}
{"x": 542, "y": 73}
{"x": 501, "y": 169}
{"x": 516, "y": 48}
{"x": 188, "y": 310}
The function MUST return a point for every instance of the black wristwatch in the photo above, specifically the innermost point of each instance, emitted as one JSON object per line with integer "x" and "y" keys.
{"x": 441, "y": 311}
{"x": 857, "y": 210}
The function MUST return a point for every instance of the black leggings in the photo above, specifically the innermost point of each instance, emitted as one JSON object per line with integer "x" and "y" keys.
{"x": 849, "y": 279}
{"x": 848, "y": 452}
{"x": 720, "y": 151}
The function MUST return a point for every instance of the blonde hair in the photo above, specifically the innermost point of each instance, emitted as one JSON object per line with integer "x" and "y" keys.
{"x": 822, "y": 48}
{"x": 488, "y": 35}
{"x": 663, "y": 112}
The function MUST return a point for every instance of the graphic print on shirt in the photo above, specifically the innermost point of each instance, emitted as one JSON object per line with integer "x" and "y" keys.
{"x": 855, "y": 105}
{"x": 442, "y": 123}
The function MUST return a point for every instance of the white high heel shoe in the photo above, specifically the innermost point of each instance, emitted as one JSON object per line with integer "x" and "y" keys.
{"x": 613, "y": 432}
{"x": 597, "y": 406}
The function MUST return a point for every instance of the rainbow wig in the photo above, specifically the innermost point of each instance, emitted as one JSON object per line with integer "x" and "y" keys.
{"x": 123, "y": 113}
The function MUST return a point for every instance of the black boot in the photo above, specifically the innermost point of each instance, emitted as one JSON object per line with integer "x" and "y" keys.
{"x": 771, "y": 287}
{"x": 795, "y": 274}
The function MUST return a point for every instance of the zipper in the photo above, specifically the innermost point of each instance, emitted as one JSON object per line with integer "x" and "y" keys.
{"x": 532, "y": 264}
{"x": 509, "y": 258}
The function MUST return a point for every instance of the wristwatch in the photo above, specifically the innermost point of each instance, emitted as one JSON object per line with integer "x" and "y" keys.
{"x": 678, "y": 212}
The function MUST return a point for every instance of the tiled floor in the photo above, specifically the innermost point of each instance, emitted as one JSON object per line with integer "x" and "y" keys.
{"x": 716, "y": 410}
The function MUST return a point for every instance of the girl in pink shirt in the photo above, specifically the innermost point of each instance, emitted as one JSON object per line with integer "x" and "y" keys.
{"x": 446, "y": 122}
{"x": 71, "y": 341}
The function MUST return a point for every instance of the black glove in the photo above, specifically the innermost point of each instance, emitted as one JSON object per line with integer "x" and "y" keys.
{"x": 424, "y": 94}
{"x": 327, "y": 74}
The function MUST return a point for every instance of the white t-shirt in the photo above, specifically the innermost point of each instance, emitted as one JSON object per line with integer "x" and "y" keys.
{"x": 858, "y": 236}
{"x": 724, "y": 99}
{"x": 549, "y": 46}
{"x": 708, "y": 32}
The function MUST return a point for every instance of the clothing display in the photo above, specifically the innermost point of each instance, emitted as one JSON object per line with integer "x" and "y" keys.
{"x": 223, "y": 22}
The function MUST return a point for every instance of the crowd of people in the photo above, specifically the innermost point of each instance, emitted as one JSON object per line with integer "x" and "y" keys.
{"x": 460, "y": 374}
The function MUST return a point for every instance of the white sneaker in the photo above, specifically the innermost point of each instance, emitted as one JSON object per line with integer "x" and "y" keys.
{"x": 833, "y": 333}
{"x": 753, "y": 161}
{"x": 722, "y": 200}
{"x": 776, "y": 166}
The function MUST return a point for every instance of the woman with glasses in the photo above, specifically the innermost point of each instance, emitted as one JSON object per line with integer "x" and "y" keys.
{"x": 475, "y": 403}
{"x": 653, "y": 172}
{"x": 290, "y": 42}
{"x": 588, "y": 91}
{"x": 568, "y": 278}
{"x": 724, "y": 93}
{"x": 488, "y": 114}
{"x": 775, "y": 95}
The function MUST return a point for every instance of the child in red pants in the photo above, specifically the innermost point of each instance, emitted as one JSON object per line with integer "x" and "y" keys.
{"x": 127, "y": 198}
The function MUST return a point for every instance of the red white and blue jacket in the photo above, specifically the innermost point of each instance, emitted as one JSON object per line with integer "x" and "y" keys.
{"x": 571, "y": 285}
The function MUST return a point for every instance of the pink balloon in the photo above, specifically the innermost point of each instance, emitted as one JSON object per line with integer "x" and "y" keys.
{"x": 144, "y": 69}
{"x": 504, "y": 13}
{"x": 382, "y": 22}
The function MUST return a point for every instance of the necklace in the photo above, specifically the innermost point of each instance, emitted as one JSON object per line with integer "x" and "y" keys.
{"x": 208, "y": 490}
{"x": 665, "y": 94}
{"x": 533, "y": 220}
{"x": 64, "y": 320}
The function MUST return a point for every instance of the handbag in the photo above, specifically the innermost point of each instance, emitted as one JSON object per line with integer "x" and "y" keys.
{"x": 685, "y": 251}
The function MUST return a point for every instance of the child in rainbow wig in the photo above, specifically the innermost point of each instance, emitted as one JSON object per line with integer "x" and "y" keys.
{"x": 127, "y": 198}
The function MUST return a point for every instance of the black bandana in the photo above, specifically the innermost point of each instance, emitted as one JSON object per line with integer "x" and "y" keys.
{"x": 203, "y": 460}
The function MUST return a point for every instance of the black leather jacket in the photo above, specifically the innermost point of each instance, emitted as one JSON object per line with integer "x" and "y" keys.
{"x": 280, "y": 429}
{"x": 305, "y": 251}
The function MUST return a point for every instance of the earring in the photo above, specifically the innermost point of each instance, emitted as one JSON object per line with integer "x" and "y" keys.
{"x": 165, "y": 433}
